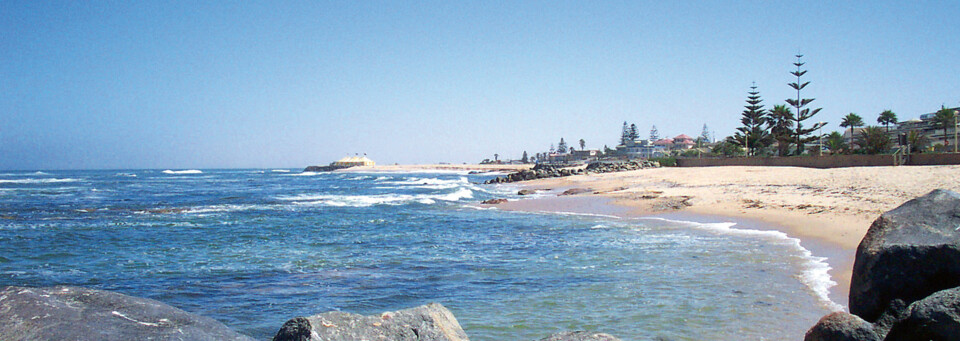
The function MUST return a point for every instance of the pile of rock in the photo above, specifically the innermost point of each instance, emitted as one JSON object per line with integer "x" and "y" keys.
{"x": 75, "y": 313}
{"x": 542, "y": 171}
{"x": 906, "y": 276}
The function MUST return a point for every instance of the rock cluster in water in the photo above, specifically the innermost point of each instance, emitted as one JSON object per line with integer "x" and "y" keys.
{"x": 543, "y": 171}
{"x": 81, "y": 314}
{"x": 906, "y": 276}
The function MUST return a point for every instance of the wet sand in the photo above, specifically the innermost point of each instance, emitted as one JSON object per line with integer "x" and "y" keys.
{"x": 829, "y": 210}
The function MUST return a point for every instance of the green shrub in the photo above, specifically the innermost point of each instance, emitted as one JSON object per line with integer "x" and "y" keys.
{"x": 666, "y": 161}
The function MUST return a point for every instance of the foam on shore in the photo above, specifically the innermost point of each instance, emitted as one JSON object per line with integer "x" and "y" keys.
{"x": 814, "y": 271}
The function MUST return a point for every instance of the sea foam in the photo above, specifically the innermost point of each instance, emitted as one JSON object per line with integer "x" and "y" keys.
{"x": 814, "y": 273}
{"x": 188, "y": 171}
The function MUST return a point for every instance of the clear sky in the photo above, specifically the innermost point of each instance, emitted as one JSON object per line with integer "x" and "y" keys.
{"x": 195, "y": 84}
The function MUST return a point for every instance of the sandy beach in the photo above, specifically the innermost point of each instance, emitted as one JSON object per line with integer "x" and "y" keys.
{"x": 829, "y": 210}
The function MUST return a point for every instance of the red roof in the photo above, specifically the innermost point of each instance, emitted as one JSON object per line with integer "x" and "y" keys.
{"x": 683, "y": 137}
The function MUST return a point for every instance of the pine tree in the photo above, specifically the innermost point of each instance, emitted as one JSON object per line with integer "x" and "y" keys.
{"x": 801, "y": 134}
{"x": 633, "y": 132}
{"x": 654, "y": 134}
{"x": 524, "y": 158}
{"x": 562, "y": 147}
{"x": 625, "y": 134}
{"x": 753, "y": 133}
{"x": 705, "y": 134}
{"x": 583, "y": 144}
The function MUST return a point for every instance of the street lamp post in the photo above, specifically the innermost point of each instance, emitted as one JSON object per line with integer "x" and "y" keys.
{"x": 820, "y": 137}
{"x": 955, "y": 113}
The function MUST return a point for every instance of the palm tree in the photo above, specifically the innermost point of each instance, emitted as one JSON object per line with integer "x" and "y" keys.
{"x": 886, "y": 118}
{"x": 781, "y": 127}
{"x": 835, "y": 143}
{"x": 943, "y": 119}
{"x": 583, "y": 144}
{"x": 874, "y": 140}
{"x": 917, "y": 141}
{"x": 852, "y": 120}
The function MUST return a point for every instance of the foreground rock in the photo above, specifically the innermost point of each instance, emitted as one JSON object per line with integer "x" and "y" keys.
{"x": 580, "y": 336}
{"x": 74, "y": 313}
{"x": 908, "y": 253}
{"x": 841, "y": 326}
{"x": 494, "y": 201}
{"x": 432, "y": 322}
{"x": 906, "y": 276}
{"x": 936, "y": 317}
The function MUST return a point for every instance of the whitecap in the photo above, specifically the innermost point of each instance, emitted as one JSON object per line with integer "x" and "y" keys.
{"x": 370, "y": 200}
{"x": 188, "y": 171}
{"x": 36, "y": 181}
{"x": 303, "y": 174}
{"x": 280, "y": 170}
{"x": 129, "y": 175}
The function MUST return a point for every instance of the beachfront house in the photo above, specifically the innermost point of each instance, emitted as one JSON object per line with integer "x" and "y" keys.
{"x": 640, "y": 149}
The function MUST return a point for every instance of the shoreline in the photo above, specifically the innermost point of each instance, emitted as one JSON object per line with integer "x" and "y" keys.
{"x": 827, "y": 210}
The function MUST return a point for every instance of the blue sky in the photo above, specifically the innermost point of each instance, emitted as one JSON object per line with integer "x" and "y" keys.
{"x": 138, "y": 84}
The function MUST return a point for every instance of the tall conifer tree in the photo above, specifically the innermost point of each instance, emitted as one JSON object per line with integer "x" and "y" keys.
{"x": 753, "y": 134}
{"x": 801, "y": 134}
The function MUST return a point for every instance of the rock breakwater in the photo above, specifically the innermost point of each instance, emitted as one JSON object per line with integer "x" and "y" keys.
{"x": 543, "y": 171}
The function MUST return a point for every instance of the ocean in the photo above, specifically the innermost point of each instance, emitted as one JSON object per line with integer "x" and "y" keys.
{"x": 254, "y": 248}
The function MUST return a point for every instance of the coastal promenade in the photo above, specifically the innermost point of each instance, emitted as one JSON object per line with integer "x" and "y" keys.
{"x": 829, "y": 210}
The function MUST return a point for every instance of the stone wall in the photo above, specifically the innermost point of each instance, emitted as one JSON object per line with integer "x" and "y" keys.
{"x": 826, "y": 161}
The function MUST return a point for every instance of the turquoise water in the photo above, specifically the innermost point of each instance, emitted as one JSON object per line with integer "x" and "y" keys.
{"x": 253, "y": 248}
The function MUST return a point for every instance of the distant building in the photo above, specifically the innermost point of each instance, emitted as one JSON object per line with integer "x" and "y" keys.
{"x": 351, "y": 161}
{"x": 641, "y": 149}
{"x": 682, "y": 142}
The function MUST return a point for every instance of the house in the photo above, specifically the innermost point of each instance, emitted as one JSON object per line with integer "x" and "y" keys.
{"x": 683, "y": 142}
{"x": 640, "y": 149}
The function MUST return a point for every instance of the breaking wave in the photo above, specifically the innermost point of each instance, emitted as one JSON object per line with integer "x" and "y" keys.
{"x": 188, "y": 171}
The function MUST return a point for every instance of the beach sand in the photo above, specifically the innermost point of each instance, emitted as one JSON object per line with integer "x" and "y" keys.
{"x": 829, "y": 210}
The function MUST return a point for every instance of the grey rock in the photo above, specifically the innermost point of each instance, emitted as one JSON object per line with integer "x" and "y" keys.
{"x": 909, "y": 253}
{"x": 841, "y": 326}
{"x": 432, "y": 322}
{"x": 74, "y": 313}
{"x": 580, "y": 336}
{"x": 526, "y": 192}
{"x": 936, "y": 317}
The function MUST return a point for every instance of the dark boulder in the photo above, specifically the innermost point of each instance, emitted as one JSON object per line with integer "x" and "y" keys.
{"x": 580, "y": 336}
{"x": 909, "y": 253}
{"x": 74, "y": 313}
{"x": 526, "y": 192}
{"x": 842, "y": 326}
{"x": 936, "y": 317}
{"x": 430, "y": 322}
{"x": 494, "y": 201}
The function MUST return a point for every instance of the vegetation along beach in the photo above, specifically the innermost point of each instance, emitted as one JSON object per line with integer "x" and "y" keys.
{"x": 452, "y": 171}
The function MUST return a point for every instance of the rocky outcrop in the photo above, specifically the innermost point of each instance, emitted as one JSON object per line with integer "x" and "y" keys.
{"x": 74, "y": 313}
{"x": 432, "y": 322}
{"x": 841, "y": 326}
{"x": 329, "y": 168}
{"x": 936, "y": 317}
{"x": 494, "y": 201}
{"x": 542, "y": 171}
{"x": 908, "y": 254}
{"x": 580, "y": 336}
{"x": 906, "y": 276}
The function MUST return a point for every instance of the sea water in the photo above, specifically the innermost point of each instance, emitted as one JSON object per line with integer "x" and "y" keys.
{"x": 254, "y": 248}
